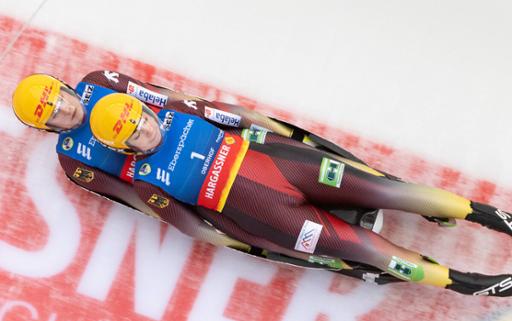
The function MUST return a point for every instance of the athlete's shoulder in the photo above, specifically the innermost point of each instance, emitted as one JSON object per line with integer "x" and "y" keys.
{"x": 110, "y": 79}
{"x": 154, "y": 95}
{"x": 101, "y": 77}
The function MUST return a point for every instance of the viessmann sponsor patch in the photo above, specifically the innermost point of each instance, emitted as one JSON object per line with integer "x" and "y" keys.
{"x": 222, "y": 117}
{"x": 222, "y": 173}
{"x": 146, "y": 95}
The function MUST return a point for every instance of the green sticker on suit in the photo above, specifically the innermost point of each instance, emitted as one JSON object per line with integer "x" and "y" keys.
{"x": 331, "y": 172}
{"x": 255, "y": 135}
{"x": 405, "y": 270}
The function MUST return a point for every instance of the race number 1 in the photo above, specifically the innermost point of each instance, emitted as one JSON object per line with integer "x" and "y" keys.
{"x": 196, "y": 155}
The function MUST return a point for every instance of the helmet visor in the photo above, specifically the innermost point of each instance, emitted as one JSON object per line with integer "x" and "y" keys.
{"x": 68, "y": 112}
{"x": 148, "y": 134}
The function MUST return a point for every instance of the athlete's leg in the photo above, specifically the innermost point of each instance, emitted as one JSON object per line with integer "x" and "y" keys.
{"x": 284, "y": 218}
{"x": 329, "y": 183}
{"x": 366, "y": 217}
{"x": 209, "y": 226}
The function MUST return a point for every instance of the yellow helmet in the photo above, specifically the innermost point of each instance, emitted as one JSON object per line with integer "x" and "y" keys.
{"x": 34, "y": 99}
{"x": 114, "y": 119}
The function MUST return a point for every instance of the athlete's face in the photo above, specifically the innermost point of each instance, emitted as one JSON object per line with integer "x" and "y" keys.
{"x": 147, "y": 136}
{"x": 69, "y": 112}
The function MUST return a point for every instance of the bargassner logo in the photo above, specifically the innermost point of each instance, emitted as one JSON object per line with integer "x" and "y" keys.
{"x": 146, "y": 95}
{"x": 181, "y": 145}
{"x": 218, "y": 165}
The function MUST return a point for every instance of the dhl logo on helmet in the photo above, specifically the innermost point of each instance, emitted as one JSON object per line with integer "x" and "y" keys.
{"x": 118, "y": 126}
{"x": 43, "y": 101}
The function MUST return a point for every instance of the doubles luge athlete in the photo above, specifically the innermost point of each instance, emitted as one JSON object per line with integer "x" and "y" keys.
{"x": 44, "y": 102}
{"x": 281, "y": 190}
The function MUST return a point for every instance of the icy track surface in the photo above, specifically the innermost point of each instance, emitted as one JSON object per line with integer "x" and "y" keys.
{"x": 419, "y": 90}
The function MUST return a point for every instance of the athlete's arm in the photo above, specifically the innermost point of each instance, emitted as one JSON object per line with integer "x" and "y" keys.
{"x": 221, "y": 114}
{"x": 152, "y": 95}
